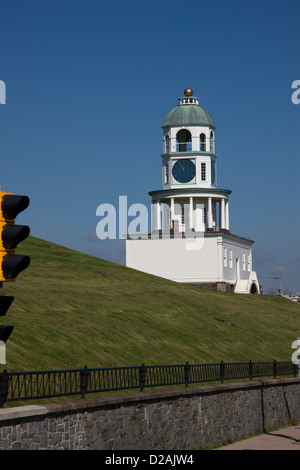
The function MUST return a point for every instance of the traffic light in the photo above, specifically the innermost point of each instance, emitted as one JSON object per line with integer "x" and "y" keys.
{"x": 5, "y": 331}
{"x": 10, "y": 264}
{"x": 11, "y": 235}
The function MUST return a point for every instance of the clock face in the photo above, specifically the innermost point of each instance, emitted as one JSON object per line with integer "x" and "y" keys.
{"x": 184, "y": 170}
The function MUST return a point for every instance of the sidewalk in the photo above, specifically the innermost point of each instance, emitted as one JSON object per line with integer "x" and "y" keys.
{"x": 282, "y": 439}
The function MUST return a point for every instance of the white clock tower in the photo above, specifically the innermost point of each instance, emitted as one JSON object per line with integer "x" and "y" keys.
{"x": 190, "y": 240}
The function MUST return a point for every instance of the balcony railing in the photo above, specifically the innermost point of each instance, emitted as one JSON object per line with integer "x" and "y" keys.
{"x": 187, "y": 147}
{"x": 183, "y": 146}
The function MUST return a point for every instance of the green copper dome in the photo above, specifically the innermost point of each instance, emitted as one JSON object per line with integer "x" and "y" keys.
{"x": 188, "y": 115}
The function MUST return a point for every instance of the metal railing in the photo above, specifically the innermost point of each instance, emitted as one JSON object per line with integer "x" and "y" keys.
{"x": 20, "y": 386}
{"x": 187, "y": 147}
{"x": 183, "y": 146}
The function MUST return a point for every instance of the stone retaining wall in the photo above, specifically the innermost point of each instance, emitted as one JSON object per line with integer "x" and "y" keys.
{"x": 187, "y": 418}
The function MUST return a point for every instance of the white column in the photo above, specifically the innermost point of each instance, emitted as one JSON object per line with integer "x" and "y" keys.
{"x": 222, "y": 222}
{"x": 153, "y": 216}
{"x": 171, "y": 211}
{"x": 195, "y": 143}
{"x": 227, "y": 214}
{"x": 191, "y": 214}
{"x": 209, "y": 214}
{"x": 172, "y": 144}
{"x": 199, "y": 216}
{"x": 158, "y": 223}
{"x": 214, "y": 214}
{"x": 165, "y": 210}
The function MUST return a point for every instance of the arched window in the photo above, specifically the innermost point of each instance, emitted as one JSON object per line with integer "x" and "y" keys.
{"x": 202, "y": 143}
{"x": 184, "y": 140}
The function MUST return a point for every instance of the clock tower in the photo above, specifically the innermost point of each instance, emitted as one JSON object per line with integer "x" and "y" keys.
{"x": 190, "y": 204}
{"x": 189, "y": 171}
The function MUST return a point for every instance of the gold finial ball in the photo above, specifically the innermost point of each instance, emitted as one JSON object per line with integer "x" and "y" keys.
{"x": 188, "y": 92}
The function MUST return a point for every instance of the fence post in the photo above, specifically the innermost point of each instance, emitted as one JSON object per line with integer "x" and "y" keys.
{"x": 187, "y": 369}
{"x": 274, "y": 368}
{"x": 295, "y": 366}
{"x": 142, "y": 376}
{"x": 4, "y": 386}
{"x": 84, "y": 379}
{"x": 250, "y": 370}
{"x": 222, "y": 371}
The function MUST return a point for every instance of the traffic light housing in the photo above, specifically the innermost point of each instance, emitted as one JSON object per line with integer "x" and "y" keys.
{"x": 5, "y": 330}
{"x": 11, "y": 235}
{"x": 10, "y": 264}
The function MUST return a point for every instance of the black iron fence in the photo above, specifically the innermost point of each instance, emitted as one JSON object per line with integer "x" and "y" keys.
{"x": 19, "y": 386}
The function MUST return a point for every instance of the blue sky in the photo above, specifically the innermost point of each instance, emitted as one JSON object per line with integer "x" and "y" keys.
{"x": 89, "y": 82}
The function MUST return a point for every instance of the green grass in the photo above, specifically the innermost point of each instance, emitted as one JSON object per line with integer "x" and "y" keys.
{"x": 71, "y": 309}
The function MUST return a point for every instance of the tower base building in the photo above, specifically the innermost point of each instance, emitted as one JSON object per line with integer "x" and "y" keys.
{"x": 190, "y": 240}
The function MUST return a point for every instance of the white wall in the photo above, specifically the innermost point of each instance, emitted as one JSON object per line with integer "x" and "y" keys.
{"x": 174, "y": 259}
{"x": 171, "y": 259}
{"x": 238, "y": 253}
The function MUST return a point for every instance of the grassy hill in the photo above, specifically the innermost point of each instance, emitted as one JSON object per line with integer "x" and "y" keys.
{"x": 71, "y": 309}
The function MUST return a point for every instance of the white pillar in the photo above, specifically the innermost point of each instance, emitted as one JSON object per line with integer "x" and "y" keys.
{"x": 227, "y": 214}
{"x": 214, "y": 214}
{"x": 222, "y": 223}
{"x": 207, "y": 143}
{"x": 171, "y": 212}
{"x": 199, "y": 216}
{"x": 209, "y": 214}
{"x": 195, "y": 143}
{"x": 158, "y": 224}
{"x": 153, "y": 216}
{"x": 191, "y": 225}
{"x": 165, "y": 210}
